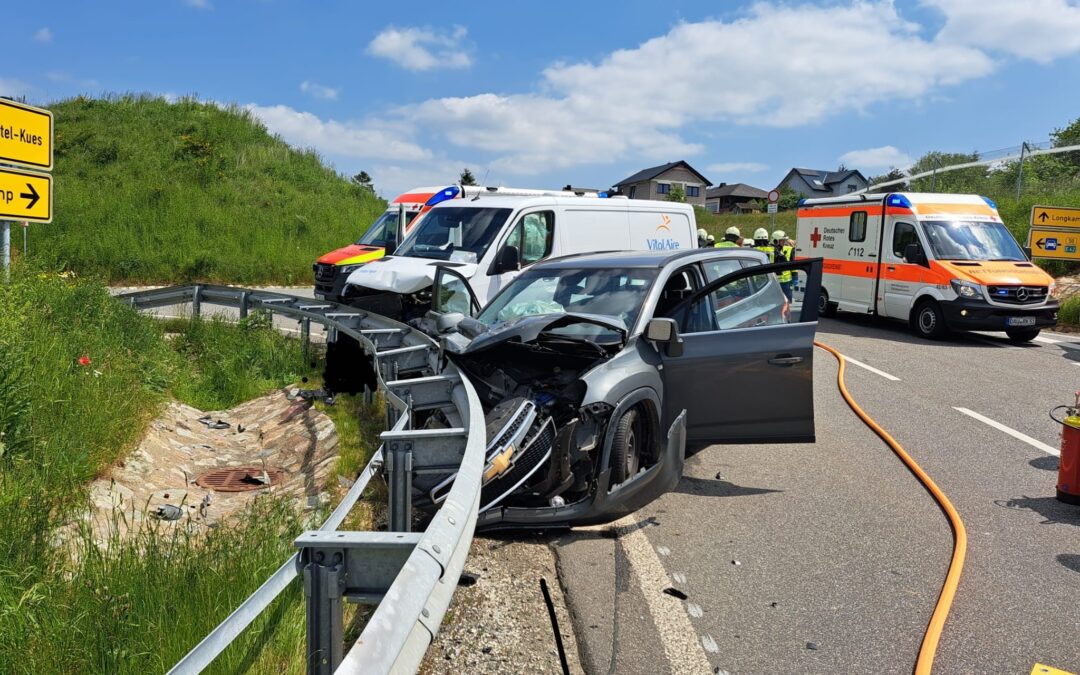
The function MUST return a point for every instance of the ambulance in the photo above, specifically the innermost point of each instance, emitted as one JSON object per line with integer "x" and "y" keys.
{"x": 333, "y": 268}
{"x": 941, "y": 262}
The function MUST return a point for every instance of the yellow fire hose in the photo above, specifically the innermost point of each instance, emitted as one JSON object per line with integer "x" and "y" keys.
{"x": 925, "y": 662}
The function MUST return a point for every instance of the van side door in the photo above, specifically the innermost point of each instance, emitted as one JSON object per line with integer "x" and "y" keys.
{"x": 860, "y": 247}
{"x": 900, "y": 280}
{"x": 533, "y": 235}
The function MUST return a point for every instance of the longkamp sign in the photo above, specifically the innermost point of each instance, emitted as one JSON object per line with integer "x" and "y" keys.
{"x": 25, "y": 195}
{"x": 1055, "y": 216}
{"x": 26, "y": 135}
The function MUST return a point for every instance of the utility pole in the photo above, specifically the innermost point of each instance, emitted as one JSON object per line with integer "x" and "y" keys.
{"x": 1020, "y": 172}
{"x": 5, "y": 248}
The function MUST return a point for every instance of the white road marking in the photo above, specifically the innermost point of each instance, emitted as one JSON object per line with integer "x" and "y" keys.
{"x": 684, "y": 653}
{"x": 663, "y": 550}
{"x": 694, "y": 610}
{"x": 1012, "y": 432}
{"x": 871, "y": 369}
{"x": 709, "y": 644}
{"x": 1045, "y": 340}
{"x": 679, "y": 577}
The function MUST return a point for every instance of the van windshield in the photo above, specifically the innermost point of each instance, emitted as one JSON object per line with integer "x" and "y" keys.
{"x": 971, "y": 240}
{"x": 454, "y": 233}
{"x": 384, "y": 228}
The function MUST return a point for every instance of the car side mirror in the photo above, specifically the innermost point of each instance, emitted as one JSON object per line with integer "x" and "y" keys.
{"x": 913, "y": 254}
{"x": 509, "y": 260}
{"x": 470, "y": 327}
{"x": 665, "y": 332}
{"x": 444, "y": 323}
{"x": 390, "y": 247}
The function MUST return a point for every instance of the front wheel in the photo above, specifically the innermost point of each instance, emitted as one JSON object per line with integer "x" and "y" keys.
{"x": 824, "y": 307}
{"x": 626, "y": 447}
{"x": 1022, "y": 334}
{"x": 928, "y": 321}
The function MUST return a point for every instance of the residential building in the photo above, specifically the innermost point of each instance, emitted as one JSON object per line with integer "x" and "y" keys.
{"x": 734, "y": 198}
{"x": 656, "y": 182}
{"x": 820, "y": 183}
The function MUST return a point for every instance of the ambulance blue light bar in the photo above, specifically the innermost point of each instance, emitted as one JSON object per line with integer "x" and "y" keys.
{"x": 989, "y": 202}
{"x": 899, "y": 201}
{"x": 443, "y": 195}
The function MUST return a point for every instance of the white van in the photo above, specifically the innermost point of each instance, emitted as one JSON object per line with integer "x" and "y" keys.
{"x": 489, "y": 238}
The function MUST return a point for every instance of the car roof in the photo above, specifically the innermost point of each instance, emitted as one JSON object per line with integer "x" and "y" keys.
{"x": 641, "y": 259}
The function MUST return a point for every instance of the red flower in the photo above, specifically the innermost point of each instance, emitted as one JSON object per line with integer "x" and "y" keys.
{"x": 84, "y": 360}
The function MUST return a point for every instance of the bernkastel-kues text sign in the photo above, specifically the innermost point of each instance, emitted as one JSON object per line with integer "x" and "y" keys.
{"x": 25, "y": 195}
{"x": 1055, "y": 216}
{"x": 1059, "y": 244}
{"x": 26, "y": 135}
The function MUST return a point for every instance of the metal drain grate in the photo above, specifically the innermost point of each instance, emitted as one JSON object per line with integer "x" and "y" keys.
{"x": 239, "y": 478}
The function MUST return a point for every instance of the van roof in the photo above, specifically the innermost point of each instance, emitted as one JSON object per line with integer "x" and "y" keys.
{"x": 519, "y": 201}
{"x": 639, "y": 259}
{"x": 921, "y": 204}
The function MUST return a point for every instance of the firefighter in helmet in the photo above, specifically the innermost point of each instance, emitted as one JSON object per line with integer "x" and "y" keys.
{"x": 761, "y": 242}
{"x": 783, "y": 251}
{"x": 731, "y": 238}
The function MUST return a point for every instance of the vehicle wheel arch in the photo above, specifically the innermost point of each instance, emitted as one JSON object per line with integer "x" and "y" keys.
{"x": 645, "y": 399}
{"x": 913, "y": 314}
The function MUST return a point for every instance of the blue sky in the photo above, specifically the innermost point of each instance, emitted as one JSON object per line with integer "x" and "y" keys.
{"x": 582, "y": 93}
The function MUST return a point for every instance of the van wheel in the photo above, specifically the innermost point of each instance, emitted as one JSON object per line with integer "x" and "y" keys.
{"x": 1022, "y": 334}
{"x": 824, "y": 307}
{"x": 928, "y": 320}
{"x": 626, "y": 447}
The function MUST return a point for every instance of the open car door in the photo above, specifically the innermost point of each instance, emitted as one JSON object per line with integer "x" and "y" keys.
{"x": 451, "y": 294}
{"x": 741, "y": 364}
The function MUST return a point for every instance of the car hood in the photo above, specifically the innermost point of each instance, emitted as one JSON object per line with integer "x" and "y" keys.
{"x": 398, "y": 274}
{"x": 529, "y": 328}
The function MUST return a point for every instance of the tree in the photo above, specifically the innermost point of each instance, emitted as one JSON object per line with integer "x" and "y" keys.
{"x": 676, "y": 194}
{"x": 467, "y": 177}
{"x": 964, "y": 181}
{"x": 789, "y": 199}
{"x": 893, "y": 174}
{"x": 363, "y": 181}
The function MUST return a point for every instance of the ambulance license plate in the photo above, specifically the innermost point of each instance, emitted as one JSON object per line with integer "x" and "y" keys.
{"x": 1020, "y": 321}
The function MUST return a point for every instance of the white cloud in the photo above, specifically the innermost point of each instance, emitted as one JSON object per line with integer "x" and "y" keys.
{"x": 736, "y": 167}
{"x": 1039, "y": 30}
{"x": 43, "y": 35}
{"x": 199, "y": 4}
{"x": 316, "y": 90}
{"x": 377, "y": 140}
{"x": 63, "y": 77}
{"x": 422, "y": 48}
{"x": 13, "y": 88}
{"x": 885, "y": 157}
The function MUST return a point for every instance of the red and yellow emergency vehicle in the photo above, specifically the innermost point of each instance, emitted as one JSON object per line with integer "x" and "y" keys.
{"x": 333, "y": 268}
{"x": 938, "y": 261}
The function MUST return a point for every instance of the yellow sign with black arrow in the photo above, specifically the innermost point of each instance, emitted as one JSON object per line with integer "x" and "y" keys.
{"x": 25, "y": 195}
{"x": 1056, "y": 244}
{"x": 26, "y": 135}
{"x": 1055, "y": 216}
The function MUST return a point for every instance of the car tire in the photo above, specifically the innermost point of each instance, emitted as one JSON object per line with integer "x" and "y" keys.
{"x": 928, "y": 321}
{"x": 626, "y": 447}
{"x": 824, "y": 307}
{"x": 1022, "y": 334}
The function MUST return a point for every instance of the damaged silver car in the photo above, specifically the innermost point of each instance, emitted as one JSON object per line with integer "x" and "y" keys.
{"x": 598, "y": 371}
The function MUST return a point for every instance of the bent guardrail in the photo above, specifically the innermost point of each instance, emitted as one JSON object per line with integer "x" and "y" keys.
{"x": 410, "y": 576}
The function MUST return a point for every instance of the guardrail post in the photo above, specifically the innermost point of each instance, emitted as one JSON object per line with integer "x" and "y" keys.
{"x": 244, "y": 305}
{"x": 324, "y": 581}
{"x": 305, "y": 338}
{"x": 196, "y": 301}
{"x": 399, "y": 466}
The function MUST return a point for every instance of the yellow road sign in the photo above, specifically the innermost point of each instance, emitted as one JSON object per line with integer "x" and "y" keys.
{"x": 26, "y": 135}
{"x": 1055, "y": 216}
{"x": 25, "y": 195}
{"x": 1059, "y": 244}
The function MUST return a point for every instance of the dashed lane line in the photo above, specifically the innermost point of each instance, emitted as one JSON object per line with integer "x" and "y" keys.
{"x": 871, "y": 369}
{"x": 1010, "y": 431}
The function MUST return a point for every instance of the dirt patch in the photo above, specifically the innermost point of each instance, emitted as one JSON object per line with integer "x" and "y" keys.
{"x": 158, "y": 480}
{"x": 498, "y": 621}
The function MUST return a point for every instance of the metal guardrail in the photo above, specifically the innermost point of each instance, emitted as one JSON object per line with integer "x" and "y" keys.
{"x": 410, "y": 576}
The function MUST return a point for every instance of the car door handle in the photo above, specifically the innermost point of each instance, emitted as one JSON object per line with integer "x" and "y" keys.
{"x": 891, "y": 268}
{"x": 785, "y": 360}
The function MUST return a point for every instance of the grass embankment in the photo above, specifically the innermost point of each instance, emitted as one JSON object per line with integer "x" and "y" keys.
{"x": 158, "y": 192}
{"x": 141, "y": 604}
{"x": 716, "y": 223}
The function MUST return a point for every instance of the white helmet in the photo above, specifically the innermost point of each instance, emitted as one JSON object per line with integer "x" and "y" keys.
{"x": 711, "y": 239}
{"x": 733, "y": 231}
{"x": 748, "y": 244}
{"x": 701, "y": 233}
{"x": 779, "y": 235}
{"x": 761, "y": 233}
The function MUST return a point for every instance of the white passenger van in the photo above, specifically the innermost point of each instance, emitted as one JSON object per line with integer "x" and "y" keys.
{"x": 489, "y": 238}
{"x": 938, "y": 261}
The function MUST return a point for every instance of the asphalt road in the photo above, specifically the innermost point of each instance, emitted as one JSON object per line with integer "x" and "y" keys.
{"x": 828, "y": 557}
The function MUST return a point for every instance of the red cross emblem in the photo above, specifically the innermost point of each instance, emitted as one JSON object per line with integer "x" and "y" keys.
{"x": 815, "y": 237}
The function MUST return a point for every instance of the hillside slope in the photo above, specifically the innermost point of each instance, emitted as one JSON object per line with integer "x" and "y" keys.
{"x": 152, "y": 191}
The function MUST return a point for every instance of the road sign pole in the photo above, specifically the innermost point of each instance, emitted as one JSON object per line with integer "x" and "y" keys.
{"x": 25, "y": 227}
{"x": 1020, "y": 170}
{"x": 5, "y": 244}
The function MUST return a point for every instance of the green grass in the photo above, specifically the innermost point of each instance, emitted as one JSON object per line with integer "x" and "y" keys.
{"x": 716, "y": 223}
{"x": 142, "y": 603}
{"x": 152, "y": 191}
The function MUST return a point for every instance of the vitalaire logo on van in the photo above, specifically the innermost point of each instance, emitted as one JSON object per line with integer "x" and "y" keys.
{"x": 660, "y": 242}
